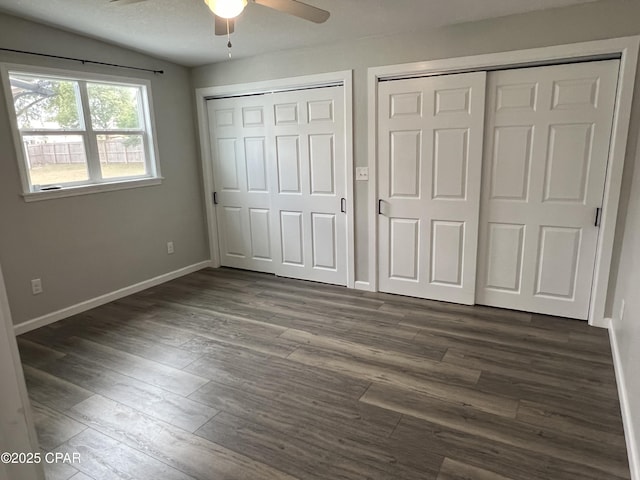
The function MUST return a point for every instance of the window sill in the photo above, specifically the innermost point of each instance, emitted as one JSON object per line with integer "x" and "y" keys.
{"x": 90, "y": 189}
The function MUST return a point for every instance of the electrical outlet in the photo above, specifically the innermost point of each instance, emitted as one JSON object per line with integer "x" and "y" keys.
{"x": 36, "y": 286}
{"x": 622, "y": 309}
{"x": 170, "y": 249}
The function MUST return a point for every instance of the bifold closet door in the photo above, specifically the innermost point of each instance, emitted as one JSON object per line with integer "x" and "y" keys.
{"x": 240, "y": 141}
{"x": 309, "y": 181}
{"x": 280, "y": 174}
{"x": 546, "y": 149}
{"x": 430, "y": 133}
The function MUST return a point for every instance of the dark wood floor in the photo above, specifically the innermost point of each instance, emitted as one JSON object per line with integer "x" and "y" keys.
{"x": 226, "y": 374}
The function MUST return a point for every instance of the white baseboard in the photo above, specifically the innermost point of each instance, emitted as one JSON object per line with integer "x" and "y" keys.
{"x": 49, "y": 318}
{"x": 633, "y": 451}
{"x": 359, "y": 285}
{"x": 603, "y": 323}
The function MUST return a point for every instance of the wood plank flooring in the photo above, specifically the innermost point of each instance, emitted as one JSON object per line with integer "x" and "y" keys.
{"x": 225, "y": 374}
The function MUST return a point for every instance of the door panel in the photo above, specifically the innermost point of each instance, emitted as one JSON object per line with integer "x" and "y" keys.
{"x": 447, "y": 242}
{"x": 324, "y": 241}
{"x": 505, "y": 241}
{"x": 452, "y": 100}
{"x": 321, "y": 109}
{"x": 240, "y": 145}
{"x": 288, "y": 158}
{"x": 256, "y": 158}
{"x": 280, "y": 172}
{"x": 521, "y": 96}
{"x": 260, "y": 233}
{"x": 567, "y": 162}
{"x": 311, "y": 175}
{"x": 406, "y": 104}
{"x": 292, "y": 238}
{"x": 322, "y": 164}
{"x": 558, "y": 250}
{"x": 405, "y": 164}
{"x": 228, "y": 165}
{"x": 286, "y": 113}
{"x": 234, "y": 235}
{"x": 547, "y": 142}
{"x": 510, "y": 163}
{"x": 253, "y": 116}
{"x": 430, "y": 134}
{"x": 450, "y": 163}
{"x": 404, "y": 251}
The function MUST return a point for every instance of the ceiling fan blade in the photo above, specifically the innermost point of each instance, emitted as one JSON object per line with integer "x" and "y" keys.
{"x": 297, "y": 9}
{"x": 221, "y": 25}
{"x": 125, "y": 2}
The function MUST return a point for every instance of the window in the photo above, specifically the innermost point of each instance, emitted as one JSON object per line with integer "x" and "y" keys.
{"x": 79, "y": 135}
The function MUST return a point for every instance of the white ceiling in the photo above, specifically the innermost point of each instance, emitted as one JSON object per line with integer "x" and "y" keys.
{"x": 182, "y": 30}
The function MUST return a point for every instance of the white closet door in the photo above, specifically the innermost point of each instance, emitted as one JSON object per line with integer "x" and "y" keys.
{"x": 239, "y": 144}
{"x": 430, "y": 133}
{"x": 309, "y": 180}
{"x": 546, "y": 149}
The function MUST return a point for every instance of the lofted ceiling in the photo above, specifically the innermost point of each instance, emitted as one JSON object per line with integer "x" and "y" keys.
{"x": 182, "y": 30}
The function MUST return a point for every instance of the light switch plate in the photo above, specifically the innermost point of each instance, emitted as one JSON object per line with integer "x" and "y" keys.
{"x": 362, "y": 174}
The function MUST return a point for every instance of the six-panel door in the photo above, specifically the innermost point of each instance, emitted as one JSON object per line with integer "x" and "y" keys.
{"x": 309, "y": 179}
{"x": 240, "y": 144}
{"x": 280, "y": 177}
{"x": 430, "y": 154}
{"x": 546, "y": 149}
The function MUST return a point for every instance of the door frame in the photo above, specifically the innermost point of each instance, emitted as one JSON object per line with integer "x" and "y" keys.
{"x": 625, "y": 48}
{"x": 342, "y": 78}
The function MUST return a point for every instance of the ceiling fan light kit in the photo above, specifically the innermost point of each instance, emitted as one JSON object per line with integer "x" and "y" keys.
{"x": 226, "y": 8}
{"x": 225, "y": 12}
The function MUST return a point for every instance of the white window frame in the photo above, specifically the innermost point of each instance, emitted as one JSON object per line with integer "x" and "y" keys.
{"x": 95, "y": 183}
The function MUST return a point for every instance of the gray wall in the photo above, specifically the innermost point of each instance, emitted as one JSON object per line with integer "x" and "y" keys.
{"x": 85, "y": 246}
{"x": 599, "y": 20}
{"x": 627, "y": 288}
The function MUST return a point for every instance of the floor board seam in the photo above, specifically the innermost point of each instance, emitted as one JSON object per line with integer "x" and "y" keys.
{"x": 272, "y": 386}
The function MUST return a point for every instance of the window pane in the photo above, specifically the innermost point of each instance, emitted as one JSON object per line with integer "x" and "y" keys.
{"x": 55, "y": 159}
{"x": 45, "y": 103}
{"x": 122, "y": 156}
{"x": 114, "y": 107}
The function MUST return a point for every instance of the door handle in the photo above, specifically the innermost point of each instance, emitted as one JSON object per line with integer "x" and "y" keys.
{"x": 343, "y": 205}
{"x": 215, "y": 198}
{"x": 380, "y": 206}
{"x": 598, "y": 215}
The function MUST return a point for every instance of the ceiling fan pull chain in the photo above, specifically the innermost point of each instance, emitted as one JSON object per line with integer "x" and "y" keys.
{"x": 228, "y": 38}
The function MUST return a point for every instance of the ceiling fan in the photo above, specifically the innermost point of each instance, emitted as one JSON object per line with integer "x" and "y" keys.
{"x": 225, "y": 11}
